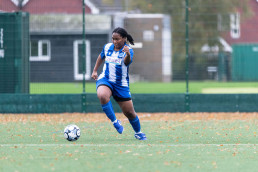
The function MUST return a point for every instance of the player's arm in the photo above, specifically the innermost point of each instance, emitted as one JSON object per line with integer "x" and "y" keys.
{"x": 94, "y": 74}
{"x": 127, "y": 58}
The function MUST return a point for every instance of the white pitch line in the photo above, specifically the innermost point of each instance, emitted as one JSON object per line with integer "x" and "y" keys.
{"x": 122, "y": 145}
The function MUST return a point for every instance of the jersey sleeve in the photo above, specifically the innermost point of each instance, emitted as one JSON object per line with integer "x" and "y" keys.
{"x": 131, "y": 54}
{"x": 102, "y": 54}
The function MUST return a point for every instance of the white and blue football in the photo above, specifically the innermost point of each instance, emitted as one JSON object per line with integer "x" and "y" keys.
{"x": 72, "y": 132}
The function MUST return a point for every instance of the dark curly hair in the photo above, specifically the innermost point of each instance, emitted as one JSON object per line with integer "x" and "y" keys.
{"x": 123, "y": 33}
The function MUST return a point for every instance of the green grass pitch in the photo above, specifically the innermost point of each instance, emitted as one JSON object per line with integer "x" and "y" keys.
{"x": 150, "y": 87}
{"x": 172, "y": 145}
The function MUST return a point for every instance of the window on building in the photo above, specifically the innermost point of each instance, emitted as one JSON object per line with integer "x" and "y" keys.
{"x": 148, "y": 35}
{"x": 235, "y": 25}
{"x": 40, "y": 50}
{"x": 78, "y": 60}
{"x": 223, "y": 22}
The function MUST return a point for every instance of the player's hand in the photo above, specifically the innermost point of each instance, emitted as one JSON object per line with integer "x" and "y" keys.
{"x": 126, "y": 50}
{"x": 94, "y": 75}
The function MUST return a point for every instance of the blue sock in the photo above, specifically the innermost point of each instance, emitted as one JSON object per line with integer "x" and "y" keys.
{"x": 108, "y": 109}
{"x": 136, "y": 124}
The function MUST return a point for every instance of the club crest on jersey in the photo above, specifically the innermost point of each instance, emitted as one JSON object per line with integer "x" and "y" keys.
{"x": 109, "y": 53}
{"x": 121, "y": 54}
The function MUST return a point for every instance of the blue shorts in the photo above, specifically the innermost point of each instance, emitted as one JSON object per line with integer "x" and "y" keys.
{"x": 119, "y": 93}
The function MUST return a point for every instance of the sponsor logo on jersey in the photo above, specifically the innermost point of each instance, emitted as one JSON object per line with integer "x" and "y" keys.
{"x": 113, "y": 60}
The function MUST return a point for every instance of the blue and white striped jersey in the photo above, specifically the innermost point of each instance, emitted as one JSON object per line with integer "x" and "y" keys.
{"x": 114, "y": 68}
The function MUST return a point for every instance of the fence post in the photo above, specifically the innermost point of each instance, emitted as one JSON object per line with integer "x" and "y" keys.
{"x": 83, "y": 102}
{"x": 187, "y": 105}
{"x": 187, "y": 102}
{"x": 83, "y": 45}
{"x": 83, "y": 99}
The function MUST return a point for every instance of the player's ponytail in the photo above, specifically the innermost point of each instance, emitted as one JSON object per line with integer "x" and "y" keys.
{"x": 124, "y": 34}
{"x": 130, "y": 39}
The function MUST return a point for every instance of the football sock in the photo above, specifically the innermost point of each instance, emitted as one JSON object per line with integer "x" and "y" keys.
{"x": 136, "y": 124}
{"x": 108, "y": 109}
{"x": 114, "y": 121}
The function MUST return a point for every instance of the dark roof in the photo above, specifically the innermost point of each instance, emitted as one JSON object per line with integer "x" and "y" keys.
{"x": 69, "y": 23}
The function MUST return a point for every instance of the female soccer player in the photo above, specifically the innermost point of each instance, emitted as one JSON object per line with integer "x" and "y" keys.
{"x": 114, "y": 80}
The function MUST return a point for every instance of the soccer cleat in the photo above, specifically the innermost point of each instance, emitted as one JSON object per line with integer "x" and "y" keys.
{"x": 140, "y": 136}
{"x": 119, "y": 127}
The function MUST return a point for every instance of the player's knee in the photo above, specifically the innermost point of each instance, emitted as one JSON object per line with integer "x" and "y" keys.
{"x": 130, "y": 115}
{"x": 103, "y": 98}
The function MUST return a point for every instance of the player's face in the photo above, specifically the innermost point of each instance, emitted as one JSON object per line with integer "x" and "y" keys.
{"x": 118, "y": 41}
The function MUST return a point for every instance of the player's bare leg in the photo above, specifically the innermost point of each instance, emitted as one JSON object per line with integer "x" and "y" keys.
{"x": 104, "y": 93}
{"x": 129, "y": 112}
{"x": 128, "y": 109}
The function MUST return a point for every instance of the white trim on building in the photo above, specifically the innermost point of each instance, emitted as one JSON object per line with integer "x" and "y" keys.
{"x": 16, "y": 2}
{"x": 93, "y": 8}
{"x": 215, "y": 48}
{"x": 77, "y": 75}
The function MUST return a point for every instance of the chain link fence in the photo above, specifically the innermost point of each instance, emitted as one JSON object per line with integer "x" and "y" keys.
{"x": 196, "y": 47}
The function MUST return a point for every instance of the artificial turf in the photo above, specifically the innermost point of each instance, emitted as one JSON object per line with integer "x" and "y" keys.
{"x": 172, "y": 145}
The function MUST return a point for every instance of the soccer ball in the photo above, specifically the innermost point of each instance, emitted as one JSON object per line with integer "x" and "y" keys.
{"x": 72, "y": 132}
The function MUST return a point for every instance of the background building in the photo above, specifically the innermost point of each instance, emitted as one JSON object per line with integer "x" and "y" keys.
{"x": 56, "y": 39}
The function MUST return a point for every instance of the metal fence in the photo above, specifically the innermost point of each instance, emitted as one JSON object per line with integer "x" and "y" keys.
{"x": 49, "y": 49}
